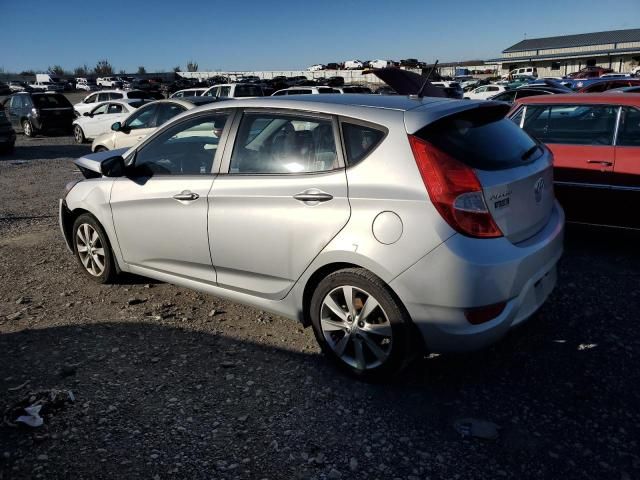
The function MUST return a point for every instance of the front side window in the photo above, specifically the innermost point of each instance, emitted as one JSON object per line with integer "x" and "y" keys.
{"x": 187, "y": 148}
{"x": 91, "y": 98}
{"x": 103, "y": 97}
{"x": 166, "y": 111}
{"x": 359, "y": 141}
{"x": 143, "y": 118}
{"x": 101, "y": 109}
{"x": 629, "y": 131}
{"x": 223, "y": 92}
{"x": 283, "y": 144}
{"x": 571, "y": 124}
{"x": 247, "y": 91}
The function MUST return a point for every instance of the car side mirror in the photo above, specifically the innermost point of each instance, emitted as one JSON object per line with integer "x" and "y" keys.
{"x": 112, "y": 166}
{"x": 116, "y": 127}
{"x": 87, "y": 114}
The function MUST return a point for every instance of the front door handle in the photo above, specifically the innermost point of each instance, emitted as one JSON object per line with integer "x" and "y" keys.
{"x": 186, "y": 196}
{"x": 604, "y": 163}
{"x": 313, "y": 196}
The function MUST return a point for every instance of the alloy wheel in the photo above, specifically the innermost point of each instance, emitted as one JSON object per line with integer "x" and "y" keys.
{"x": 90, "y": 249}
{"x": 77, "y": 133}
{"x": 356, "y": 327}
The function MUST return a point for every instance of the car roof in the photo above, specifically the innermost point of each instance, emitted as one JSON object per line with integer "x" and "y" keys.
{"x": 416, "y": 112}
{"x": 584, "y": 98}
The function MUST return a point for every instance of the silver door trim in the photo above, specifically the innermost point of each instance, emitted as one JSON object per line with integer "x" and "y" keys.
{"x": 598, "y": 186}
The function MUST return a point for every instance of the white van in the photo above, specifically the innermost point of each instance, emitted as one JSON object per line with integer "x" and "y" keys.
{"x": 380, "y": 64}
{"x": 353, "y": 65}
{"x": 523, "y": 72}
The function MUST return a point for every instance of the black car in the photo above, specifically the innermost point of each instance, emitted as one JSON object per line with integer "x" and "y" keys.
{"x": 4, "y": 89}
{"x": 510, "y": 96}
{"x": 35, "y": 113}
{"x": 7, "y": 134}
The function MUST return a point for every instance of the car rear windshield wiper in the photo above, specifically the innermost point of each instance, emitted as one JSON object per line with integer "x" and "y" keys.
{"x": 531, "y": 151}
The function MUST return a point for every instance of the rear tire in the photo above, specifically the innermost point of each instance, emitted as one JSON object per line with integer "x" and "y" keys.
{"x": 369, "y": 336}
{"x": 78, "y": 134}
{"x": 101, "y": 149}
{"x": 92, "y": 249}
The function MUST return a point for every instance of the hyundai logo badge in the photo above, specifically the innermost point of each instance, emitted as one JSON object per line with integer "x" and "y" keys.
{"x": 538, "y": 188}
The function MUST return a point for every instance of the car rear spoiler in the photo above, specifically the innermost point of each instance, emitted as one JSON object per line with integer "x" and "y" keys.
{"x": 426, "y": 114}
{"x": 405, "y": 82}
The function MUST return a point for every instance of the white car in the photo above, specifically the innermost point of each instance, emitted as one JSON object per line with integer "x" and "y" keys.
{"x": 380, "y": 63}
{"x": 107, "y": 82}
{"x": 188, "y": 92}
{"x": 353, "y": 65}
{"x": 144, "y": 121}
{"x": 304, "y": 91}
{"x": 92, "y": 100}
{"x": 353, "y": 89}
{"x": 86, "y": 84}
{"x": 484, "y": 92}
{"x": 234, "y": 90}
{"x": 315, "y": 68}
{"x": 98, "y": 121}
{"x": 46, "y": 87}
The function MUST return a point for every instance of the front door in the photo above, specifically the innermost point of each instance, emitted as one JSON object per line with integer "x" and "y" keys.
{"x": 581, "y": 139}
{"x": 280, "y": 201}
{"x": 160, "y": 208}
{"x": 625, "y": 186}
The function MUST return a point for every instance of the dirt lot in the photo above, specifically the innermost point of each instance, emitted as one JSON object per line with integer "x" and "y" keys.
{"x": 170, "y": 383}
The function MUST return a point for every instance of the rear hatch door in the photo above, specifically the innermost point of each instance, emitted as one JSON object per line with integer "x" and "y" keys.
{"x": 55, "y": 109}
{"x": 514, "y": 170}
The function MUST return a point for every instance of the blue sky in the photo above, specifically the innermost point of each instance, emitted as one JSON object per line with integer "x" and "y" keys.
{"x": 284, "y": 34}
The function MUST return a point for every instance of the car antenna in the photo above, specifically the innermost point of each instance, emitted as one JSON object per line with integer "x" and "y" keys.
{"x": 426, "y": 81}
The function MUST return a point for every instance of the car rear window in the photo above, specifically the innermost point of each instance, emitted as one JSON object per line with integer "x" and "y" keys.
{"x": 51, "y": 101}
{"x": 481, "y": 138}
{"x": 359, "y": 141}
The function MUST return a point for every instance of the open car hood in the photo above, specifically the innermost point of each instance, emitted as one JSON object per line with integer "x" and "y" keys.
{"x": 89, "y": 165}
{"x": 405, "y": 82}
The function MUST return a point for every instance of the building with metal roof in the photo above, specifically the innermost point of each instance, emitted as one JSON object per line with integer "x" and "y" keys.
{"x": 561, "y": 55}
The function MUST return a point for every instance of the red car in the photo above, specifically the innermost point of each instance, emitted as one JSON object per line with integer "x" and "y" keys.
{"x": 590, "y": 72}
{"x": 595, "y": 140}
{"x": 609, "y": 84}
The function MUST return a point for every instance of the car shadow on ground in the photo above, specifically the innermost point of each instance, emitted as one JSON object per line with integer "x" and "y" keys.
{"x": 35, "y": 149}
{"x": 145, "y": 391}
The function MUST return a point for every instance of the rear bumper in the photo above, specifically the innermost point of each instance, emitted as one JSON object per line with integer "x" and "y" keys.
{"x": 465, "y": 273}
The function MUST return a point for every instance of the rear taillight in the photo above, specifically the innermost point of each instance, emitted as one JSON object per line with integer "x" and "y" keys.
{"x": 454, "y": 190}
{"x": 476, "y": 316}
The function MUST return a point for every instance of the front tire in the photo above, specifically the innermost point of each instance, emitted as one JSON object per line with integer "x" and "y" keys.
{"x": 27, "y": 128}
{"x": 101, "y": 149}
{"x": 92, "y": 249}
{"x": 360, "y": 325}
{"x": 78, "y": 134}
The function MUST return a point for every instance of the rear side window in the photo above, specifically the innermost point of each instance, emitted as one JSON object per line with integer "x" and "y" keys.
{"x": 139, "y": 94}
{"x": 571, "y": 124}
{"x": 359, "y": 141}
{"x": 115, "y": 96}
{"x": 248, "y": 91}
{"x": 481, "y": 138}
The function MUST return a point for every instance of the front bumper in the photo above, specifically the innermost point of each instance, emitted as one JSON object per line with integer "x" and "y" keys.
{"x": 63, "y": 211}
{"x": 465, "y": 273}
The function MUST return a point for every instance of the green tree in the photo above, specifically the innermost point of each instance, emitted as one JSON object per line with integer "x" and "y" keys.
{"x": 81, "y": 71}
{"x": 103, "y": 67}
{"x": 56, "y": 70}
{"x": 141, "y": 70}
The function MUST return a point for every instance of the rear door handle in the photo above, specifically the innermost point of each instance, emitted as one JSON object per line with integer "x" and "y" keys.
{"x": 313, "y": 196}
{"x": 604, "y": 163}
{"x": 186, "y": 196}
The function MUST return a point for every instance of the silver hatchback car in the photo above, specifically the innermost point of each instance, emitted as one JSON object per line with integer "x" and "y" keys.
{"x": 391, "y": 225}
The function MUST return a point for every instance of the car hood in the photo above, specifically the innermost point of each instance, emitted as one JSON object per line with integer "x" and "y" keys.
{"x": 89, "y": 164}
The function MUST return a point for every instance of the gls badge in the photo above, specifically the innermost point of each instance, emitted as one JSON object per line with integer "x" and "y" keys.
{"x": 538, "y": 188}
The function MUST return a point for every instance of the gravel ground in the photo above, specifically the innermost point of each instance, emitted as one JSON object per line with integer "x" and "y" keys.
{"x": 170, "y": 383}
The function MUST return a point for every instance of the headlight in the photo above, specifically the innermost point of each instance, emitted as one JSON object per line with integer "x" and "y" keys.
{"x": 35, "y": 112}
{"x": 69, "y": 186}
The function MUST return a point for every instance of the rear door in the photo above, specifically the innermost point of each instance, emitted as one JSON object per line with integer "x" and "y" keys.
{"x": 581, "y": 139}
{"x": 625, "y": 185}
{"x": 280, "y": 201}
{"x": 15, "y": 110}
